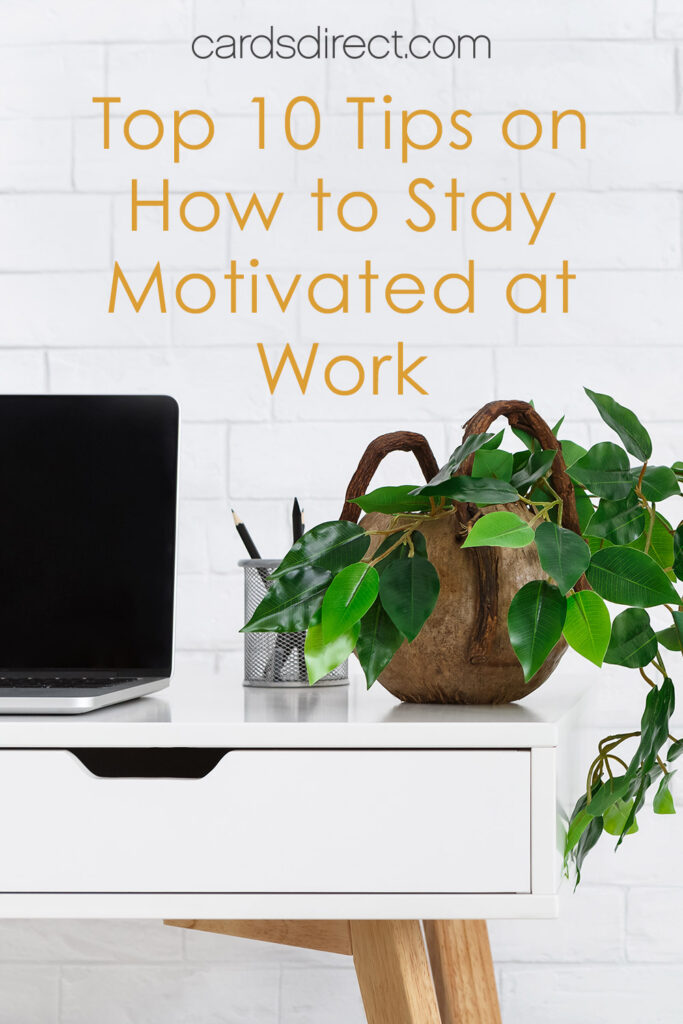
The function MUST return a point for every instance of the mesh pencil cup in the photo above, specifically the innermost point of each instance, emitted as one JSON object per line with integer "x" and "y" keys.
{"x": 275, "y": 659}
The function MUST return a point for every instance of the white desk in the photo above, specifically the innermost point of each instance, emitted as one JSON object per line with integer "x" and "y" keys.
{"x": 330, "y": 803}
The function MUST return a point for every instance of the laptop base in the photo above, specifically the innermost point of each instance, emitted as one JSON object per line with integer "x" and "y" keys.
{"x": 72, "y": 700}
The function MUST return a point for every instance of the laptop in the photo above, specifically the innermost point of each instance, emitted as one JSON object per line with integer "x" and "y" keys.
{"x": 88, "y": 495}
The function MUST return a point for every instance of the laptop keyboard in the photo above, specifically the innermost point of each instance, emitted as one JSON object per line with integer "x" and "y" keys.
{"x": 61, "y": 682}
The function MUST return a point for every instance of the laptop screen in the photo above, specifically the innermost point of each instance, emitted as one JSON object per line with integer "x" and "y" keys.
{"x": 87, "y": 533}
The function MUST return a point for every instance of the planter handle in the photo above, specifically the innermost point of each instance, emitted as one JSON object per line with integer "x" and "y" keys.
{"x": 524, "y": 416}
{"x": 398, "y": 441}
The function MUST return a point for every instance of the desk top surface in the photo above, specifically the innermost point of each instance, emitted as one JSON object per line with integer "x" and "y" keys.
{"x": 206, "y": 709}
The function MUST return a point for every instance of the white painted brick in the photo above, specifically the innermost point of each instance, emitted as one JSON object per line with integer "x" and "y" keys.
{"x": 231, "y": 161}
{"x": 155, "y": 77}
{"x": 168, "y": 78}
{"x": 30, "y": 994}
{"x": 257, "y": 15}
{"x": 618, "y": 308}
{"x": 62, "y": 310}
{"x": 599, "y": 76}
{"x": 179, "y": 246}
{"x": 209, "y": 384}
{"x": 203, "y": 461}
{"x": 193, "y": 556}
{"x": 626, "y": 152}
{"x": 209, "y": 612}
{"x": 169, "y": 995}
{"x": 560, "y": 377}
{"x": 599, "y": 995}
{"x": 294, "y": 241}
{"x": 653, "y": 933}
{"x": 669, "y": 19}
{"x": 205, "y": 947}
{"x": 410, "y": 83}
{"x": 218, "y": 326}
{"x": 80, "y": 21}
{"x": 311, "y": 461}
{"x": 54, "y": 232}
{"x": 50, "y": 81}
{"x": 22, "y": 372}
{"x": 590, "y": 929}
{"x": 323, "y": 996}
{"x": 492, "y": 322}
{"x": 269, "y": 522}
{"x": 582, "y": 19}
{"x": 23, "y": 145}
{"x": 345, "y": 167}
{"x": 592, "y": 230}
{"x": 76, "y": 940}
{"x": 450, "y": 394}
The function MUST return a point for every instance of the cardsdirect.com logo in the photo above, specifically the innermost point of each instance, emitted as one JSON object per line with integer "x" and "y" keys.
{"x": 323, "y": 44}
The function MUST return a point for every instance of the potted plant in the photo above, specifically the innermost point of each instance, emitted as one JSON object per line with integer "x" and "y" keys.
{"x": 469, "y": 587}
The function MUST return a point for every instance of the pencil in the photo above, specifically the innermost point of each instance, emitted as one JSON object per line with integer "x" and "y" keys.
{"x": 245, "y": 536}
{"x": 297, "y": 521}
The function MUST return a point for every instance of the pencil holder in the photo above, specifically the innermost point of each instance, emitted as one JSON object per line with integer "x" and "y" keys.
{"x": 275, "y": 659}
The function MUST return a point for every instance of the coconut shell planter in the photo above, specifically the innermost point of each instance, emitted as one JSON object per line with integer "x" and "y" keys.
{"x": 468, "y": 587}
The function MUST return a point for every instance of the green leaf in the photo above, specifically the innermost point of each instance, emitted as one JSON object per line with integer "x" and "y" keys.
{"x": 291, "y": 601}
{"x": 496, "y": 464}
{"x": 327, "y": 546}
{"x": 564, "y": 555}
{"x": 392, "y": 500}
{"x": 678, "y": 552}
{"x": 661, "y": 543}
{"x": 678, "y": 468}
{"x": 633, "y": 643}
{"x": 526, "y": 439}
{"x": 499, "y": 530}
{"x": 378, "y": 642}
{"x": 654, "y": 730}
{"x": 670, "y": 639}
{"x": 607, "y": 794}
{"x": 619, "y": 522}
{"x": 535, "y": 620}
{"x": 675, "y": 750}
{"x": 495, "y": 441}
{"x": 323, "y": 656}
{"x": 480, "y": 491}
{"x": 584, "y": 507}
{"x": 586, "y": 844}
{"x": 408, "y": 590}
{"x": 663, "y": 802}
{"x": 558, "y": 426}
{"x": 536, "y": 466}
{"x": 349, "y": 596}
{"x": 626, "y": 576}
{"x": 572, "y": 452}
{"x": 604, "y": 471}
{"x": 625, "y": 423}
{"x": 587, "y": 626}
{"x": 658, "y": 483}
{"x": 617, "y": 816}
{"x": 472, "y": 444}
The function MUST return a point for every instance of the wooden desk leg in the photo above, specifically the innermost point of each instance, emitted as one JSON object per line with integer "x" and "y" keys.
{"x": 462, "y": 968}
{"x": 393, "y": 972}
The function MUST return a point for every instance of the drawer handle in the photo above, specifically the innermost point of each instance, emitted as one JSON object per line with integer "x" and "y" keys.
{"x": 149, "y": 763}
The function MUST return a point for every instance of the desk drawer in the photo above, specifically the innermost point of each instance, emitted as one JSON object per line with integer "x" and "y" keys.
{"x": 271, "y": 821}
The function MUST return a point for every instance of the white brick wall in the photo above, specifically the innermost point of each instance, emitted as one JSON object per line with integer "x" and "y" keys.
{"x": 615, "y": 955}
